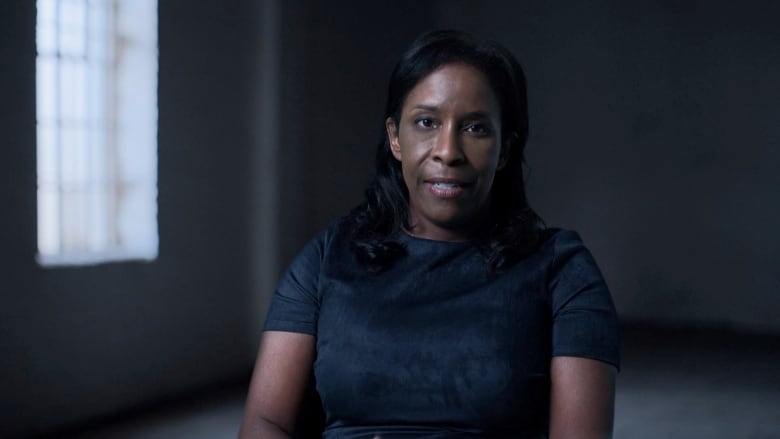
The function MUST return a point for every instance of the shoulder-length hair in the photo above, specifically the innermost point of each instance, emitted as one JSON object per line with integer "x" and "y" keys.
{"x": 516, "y": 228}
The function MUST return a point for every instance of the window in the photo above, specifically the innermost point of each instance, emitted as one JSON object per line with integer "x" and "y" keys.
{"x": 97, "y": 130}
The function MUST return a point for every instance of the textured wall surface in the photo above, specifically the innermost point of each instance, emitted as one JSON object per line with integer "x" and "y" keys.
{"x": 86, "y": 341}
{"x": 655, "y": 134}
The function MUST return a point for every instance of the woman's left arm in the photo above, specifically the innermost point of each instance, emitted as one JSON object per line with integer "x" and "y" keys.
{"x": 582, "y": 398}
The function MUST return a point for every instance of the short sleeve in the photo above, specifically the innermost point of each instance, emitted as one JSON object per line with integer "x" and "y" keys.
{"x": 295, "y": 305}
{"x": 585, "y": 323}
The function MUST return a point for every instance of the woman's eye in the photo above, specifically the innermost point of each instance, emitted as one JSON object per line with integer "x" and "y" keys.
{"x": 425, "y": 122}
{"x": 477, "y": 128}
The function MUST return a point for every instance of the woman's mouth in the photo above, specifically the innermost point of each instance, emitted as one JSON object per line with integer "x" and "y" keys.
{"x": 445, "y": 189}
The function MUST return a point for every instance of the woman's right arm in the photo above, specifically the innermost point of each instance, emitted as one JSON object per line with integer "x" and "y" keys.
{"x": 279, "y": 381}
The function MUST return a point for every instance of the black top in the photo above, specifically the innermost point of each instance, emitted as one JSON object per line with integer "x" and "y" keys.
{"x": 436, "y": 346}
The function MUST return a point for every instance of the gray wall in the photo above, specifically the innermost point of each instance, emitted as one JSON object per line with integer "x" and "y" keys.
{"x": 654, "y": 134}
{"x": 81, "y": 342}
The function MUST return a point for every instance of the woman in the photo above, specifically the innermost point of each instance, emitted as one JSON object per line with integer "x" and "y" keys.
{"x": 441, "y": 306}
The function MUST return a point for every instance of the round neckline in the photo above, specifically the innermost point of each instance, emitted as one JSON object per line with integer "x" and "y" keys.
{"x": 405, "y": 234}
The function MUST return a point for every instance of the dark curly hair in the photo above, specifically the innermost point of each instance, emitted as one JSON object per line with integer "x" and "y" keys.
{"x": 516, "y": 229}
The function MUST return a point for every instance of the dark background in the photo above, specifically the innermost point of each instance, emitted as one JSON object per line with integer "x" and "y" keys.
{"x": 655, "y": 133}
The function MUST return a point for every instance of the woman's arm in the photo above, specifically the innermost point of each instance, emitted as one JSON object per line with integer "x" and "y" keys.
{"x": 278, "y": 385}
{"x": 582, "y": 398}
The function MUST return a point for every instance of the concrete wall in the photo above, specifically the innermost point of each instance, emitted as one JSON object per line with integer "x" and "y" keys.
{"x": 82, "y": 342}
{"x": 655, "y": 134}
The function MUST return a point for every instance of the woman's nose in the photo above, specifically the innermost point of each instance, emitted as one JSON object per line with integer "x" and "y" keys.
{"x": 448, "y": 149}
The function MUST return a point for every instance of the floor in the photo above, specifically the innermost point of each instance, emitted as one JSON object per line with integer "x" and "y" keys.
{"x": 674, "y": 384}
{"x": 698, "y": 384}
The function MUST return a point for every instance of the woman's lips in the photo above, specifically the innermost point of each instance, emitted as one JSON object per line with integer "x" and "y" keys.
{"x": 445, "y": 188}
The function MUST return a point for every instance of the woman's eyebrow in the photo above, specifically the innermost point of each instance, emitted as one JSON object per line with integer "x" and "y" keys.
{"x": 425, "y": 107}
{"x": 478, "y": 114}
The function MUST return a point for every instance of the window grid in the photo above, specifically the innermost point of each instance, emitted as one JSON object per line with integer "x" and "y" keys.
{"x": 88, "y": 202}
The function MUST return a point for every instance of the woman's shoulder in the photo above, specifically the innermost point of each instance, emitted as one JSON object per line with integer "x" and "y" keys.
{"x": 333, "y": 237}
{"x": 556, "y": 239}
{"x": 561, "y": 248}
{"x": 564, "y": 252}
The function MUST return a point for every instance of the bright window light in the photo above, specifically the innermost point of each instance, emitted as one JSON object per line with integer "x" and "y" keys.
{"x": 97, "y": 130}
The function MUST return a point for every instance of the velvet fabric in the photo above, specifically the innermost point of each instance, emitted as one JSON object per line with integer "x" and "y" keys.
{"x": 437, "y": 346}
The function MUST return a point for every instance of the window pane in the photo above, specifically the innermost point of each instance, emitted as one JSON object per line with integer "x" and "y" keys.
{"x": 97, "y": 130}
{"x": 48, "y": 153}
{"x": 48, "y": 219}
{"x": 73, "y": 92}
{"x": 73, "y": 158}
{"x": 46, "y": 83}
{"x": 98, "y": 160}
{"x": 99, "y": 219}
{"x": 97, "y": 94}
{"x": 71, "y": 27}
{"x": 74, "y": 219}
{"x": 98, "y": 19}
{"x": 135, "y": 230}
{"x": 46, "y": 36}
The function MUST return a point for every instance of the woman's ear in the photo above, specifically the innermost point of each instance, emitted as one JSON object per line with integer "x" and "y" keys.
{"x": 392, "y": 135}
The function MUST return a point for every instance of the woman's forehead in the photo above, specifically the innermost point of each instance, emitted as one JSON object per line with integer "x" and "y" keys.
{"x": 453, "y": 86}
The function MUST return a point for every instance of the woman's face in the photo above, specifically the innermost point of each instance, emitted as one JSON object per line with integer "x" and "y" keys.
{"x": 448, "y": 143}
